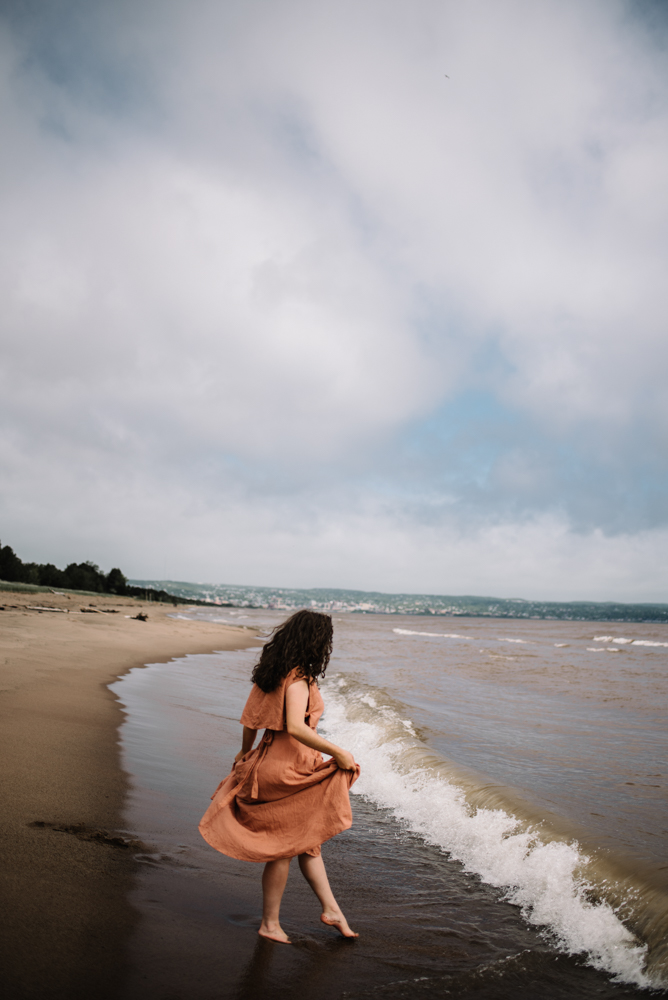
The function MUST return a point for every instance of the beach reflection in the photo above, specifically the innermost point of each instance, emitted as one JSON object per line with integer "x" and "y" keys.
{"x": 265, "y": 975}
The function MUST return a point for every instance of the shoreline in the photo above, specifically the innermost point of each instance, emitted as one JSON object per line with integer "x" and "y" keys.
{"x": 66, "y": 873}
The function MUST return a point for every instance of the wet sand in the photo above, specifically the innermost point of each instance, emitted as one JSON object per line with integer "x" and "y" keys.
{"x": 427, "y": 928}
{"x": 66, "y": 872}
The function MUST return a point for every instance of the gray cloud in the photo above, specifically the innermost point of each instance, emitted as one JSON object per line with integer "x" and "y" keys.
{"x": 255, "y": 262}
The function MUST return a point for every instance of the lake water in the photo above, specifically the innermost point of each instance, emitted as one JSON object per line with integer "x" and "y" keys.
{"x": 510, "y": 823}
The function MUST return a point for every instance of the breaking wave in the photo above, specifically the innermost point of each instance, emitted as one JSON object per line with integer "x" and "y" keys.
{"x": 580, "y": 902}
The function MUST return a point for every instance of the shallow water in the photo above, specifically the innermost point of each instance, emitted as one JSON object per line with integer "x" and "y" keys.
{"x": 510, "y": 822}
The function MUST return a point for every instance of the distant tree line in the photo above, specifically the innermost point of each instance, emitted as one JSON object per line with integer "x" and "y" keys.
{"x": 76, "y": 576}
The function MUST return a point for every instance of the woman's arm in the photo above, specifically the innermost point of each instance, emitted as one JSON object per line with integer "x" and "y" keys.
{"x": 246, "y": 743}
{"x": 296, "y": 702}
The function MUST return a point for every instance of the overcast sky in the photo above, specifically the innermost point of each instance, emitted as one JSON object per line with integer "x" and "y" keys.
{"x": 366, "y": 294}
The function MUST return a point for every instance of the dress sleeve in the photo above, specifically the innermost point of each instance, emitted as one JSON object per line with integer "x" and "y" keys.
{"x": 266, "y": 710}
{"x": 292, "y": 678}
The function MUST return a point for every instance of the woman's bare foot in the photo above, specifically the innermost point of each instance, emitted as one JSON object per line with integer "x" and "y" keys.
{"x": 336, "y": 919}
{"x": 273, "y": 932}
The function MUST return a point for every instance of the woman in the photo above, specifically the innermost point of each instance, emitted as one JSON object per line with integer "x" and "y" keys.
{"x": 282, "y": 800}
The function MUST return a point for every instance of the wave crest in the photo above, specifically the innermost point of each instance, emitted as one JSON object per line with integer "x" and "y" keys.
{"x": 477, "y": 823}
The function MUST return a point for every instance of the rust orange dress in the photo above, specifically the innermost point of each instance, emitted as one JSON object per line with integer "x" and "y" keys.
{"x": 281, "y": 799}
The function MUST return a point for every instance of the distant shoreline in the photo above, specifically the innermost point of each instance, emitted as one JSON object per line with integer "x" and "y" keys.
{"x": 428, "y": 605}
{"x": 336, "y": 600}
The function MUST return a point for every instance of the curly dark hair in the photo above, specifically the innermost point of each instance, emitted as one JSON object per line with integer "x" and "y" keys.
{"x": 303, "y": 641}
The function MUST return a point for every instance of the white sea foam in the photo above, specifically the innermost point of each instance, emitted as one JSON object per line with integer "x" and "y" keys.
{"x": 603, "y": 649}
{"x": 450, "y": 635}
{"x": 539, "y": 877}
{"x": 439, "y": 635}
{"x": 621, "y": 641}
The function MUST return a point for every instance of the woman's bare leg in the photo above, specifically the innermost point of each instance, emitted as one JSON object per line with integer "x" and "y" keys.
{"x": 313, "y": 870}
{"x": 274, "y": 877}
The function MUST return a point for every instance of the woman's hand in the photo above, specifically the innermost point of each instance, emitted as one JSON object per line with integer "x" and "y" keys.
{"x": 344, "y": 760}
{"x": 239, "y": 756}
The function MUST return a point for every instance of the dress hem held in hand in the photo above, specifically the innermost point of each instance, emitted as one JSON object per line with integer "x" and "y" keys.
{"x": 281, "y": 799}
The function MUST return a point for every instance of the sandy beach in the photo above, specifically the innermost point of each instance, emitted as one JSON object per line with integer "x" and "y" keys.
{"x": 66, "y": 870}
{"x": 89, "y": 911}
